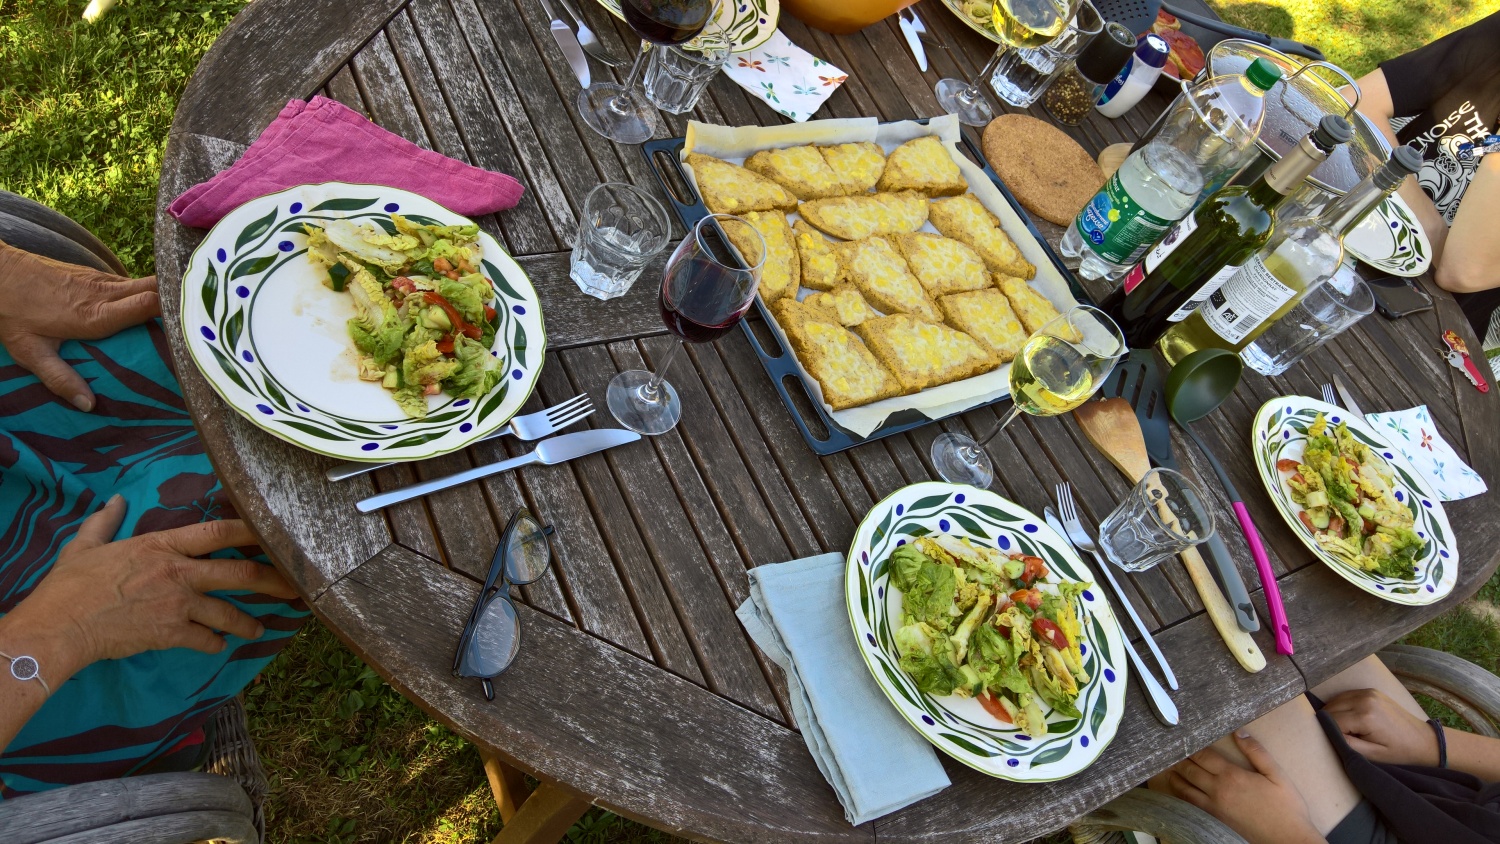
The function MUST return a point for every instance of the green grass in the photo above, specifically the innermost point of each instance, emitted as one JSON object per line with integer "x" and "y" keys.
{"x": 84, "y": 113}
{"x": 1357, "y": 35}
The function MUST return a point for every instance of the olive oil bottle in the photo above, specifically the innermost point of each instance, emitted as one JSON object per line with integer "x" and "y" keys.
{"x": 1208, "y": 246}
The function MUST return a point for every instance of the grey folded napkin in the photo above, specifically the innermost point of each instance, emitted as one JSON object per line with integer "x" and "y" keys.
{"x": 875, "y": 761}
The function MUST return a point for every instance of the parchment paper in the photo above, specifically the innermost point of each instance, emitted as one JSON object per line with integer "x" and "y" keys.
{"x": 736, "y": 143}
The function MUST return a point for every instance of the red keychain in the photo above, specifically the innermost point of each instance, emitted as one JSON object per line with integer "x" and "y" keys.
{"x": 1458, "y": 358}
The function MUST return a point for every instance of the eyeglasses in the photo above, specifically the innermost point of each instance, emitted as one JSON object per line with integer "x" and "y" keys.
{"x": 492, "y": 636}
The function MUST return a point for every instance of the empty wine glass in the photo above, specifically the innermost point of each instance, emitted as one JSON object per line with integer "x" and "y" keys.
{"x": 1060, "y": 367}
{"x": 616, "y": 111}
{"x": 707, "y": 286}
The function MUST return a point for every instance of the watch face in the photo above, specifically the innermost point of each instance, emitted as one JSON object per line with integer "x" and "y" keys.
{"x": 24, "y": 668}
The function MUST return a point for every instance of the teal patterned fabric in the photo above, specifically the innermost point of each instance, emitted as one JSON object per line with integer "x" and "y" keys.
{"x": 57, "y": 465}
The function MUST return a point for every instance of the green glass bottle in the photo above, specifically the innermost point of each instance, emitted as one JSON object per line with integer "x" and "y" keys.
{"x": 1208, "y": 246}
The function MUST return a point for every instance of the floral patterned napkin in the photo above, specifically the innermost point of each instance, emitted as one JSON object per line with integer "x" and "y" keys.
{"x": 1424, "y": 448}
{"x": 789, "y": 79}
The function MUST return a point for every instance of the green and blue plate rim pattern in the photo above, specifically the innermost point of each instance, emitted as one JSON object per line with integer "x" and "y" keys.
{"x": 1276, "y": 429}
{"x": 505, "y": 274}
{"x": 990, "y": 748}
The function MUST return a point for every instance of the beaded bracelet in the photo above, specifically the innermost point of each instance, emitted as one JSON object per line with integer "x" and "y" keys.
{"x": 1437, "y": 727}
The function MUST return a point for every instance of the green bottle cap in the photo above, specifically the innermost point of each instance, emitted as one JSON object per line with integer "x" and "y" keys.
{"x": 1262, "y": 74}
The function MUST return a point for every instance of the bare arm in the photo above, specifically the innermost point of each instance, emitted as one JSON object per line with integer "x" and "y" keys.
{"x": 1471, "y": 258}
{"x": 1375, "y": 103}
{"x": 1383, "y": 731}
{"x": 110, "y": 600}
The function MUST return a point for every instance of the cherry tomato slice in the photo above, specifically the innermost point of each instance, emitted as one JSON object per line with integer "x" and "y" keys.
{"x": 1030, "y": 597}
{"x": 1286, "y": 465}
{"x": 1302, "y": 517}
{"x": 1035, "y": 570}
{"x": 992, "y": 706}
{"x": 489, "y": 314}
{"x": 1049, "y": 631}
{"x": 445, "y": 345}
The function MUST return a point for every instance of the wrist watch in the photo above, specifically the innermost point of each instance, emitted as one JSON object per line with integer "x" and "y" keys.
{"x": 25, "y": 668}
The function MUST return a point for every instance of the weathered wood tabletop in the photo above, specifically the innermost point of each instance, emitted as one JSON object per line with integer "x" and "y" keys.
{"x": 635, "y": 684}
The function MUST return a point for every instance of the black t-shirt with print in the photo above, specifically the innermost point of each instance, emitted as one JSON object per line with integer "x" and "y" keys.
{"x": 1451, "y": 90}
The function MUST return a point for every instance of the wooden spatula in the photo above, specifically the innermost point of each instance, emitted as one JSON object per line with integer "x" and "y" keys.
{"x": 1113, "y": 429}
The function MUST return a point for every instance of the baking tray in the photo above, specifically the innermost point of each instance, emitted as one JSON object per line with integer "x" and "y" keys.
{"x": 823, "y": 435}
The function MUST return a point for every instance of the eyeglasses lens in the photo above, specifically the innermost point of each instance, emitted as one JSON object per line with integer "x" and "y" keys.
{"x": 528, "y": 554}
{"x": 496, "y": 639}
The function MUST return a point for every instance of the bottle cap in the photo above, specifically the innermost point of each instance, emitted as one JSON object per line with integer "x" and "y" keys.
{"x": 1404, "y": 161}
{"x": 1152, "y": 49}
{"x": 1107, "y": 53}
{"x": 1262, "y": 74}
{"x": 1332, "y": 130}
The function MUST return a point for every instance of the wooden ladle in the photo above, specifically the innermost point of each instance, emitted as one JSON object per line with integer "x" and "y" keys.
{"x": 1113, "y": 429}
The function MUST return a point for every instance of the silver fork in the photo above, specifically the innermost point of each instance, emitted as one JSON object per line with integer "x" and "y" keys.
{"x": 1328, "y": 395}
{"x": 1161, "y": 702}
{"x": 589, "y": 41}
{"x": 532, "y": 426}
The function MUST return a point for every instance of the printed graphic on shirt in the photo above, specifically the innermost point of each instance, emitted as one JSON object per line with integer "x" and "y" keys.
{"x": 1445, "y": 176}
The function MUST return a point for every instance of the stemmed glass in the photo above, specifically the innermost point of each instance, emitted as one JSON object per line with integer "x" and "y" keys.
{"x": 1020, "y": 24}
{"x": 1060, "y": 367}
{"x": 707, "y": 286}
{"x": 616, "y": 111}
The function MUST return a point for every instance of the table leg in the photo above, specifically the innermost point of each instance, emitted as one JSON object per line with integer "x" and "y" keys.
{"x": 506, "y": 783}
{"x": 544, "y": 818}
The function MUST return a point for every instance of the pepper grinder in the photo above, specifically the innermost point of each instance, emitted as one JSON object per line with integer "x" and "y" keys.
{"x": 1078, "y": 85}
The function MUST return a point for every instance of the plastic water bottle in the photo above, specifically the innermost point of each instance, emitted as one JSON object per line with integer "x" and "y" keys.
{"x": 1209, "y": 132}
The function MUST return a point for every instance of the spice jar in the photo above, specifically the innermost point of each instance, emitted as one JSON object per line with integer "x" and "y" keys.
{"x": 1077, "y": 86}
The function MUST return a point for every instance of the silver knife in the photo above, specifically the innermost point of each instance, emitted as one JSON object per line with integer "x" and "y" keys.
{"x": 1161, "y": 702}
{"x": 1347, "y": 397}
{"x": 568, "y": 43}
{"x": 913, "y": 40}
{"x": 550, "y": 451}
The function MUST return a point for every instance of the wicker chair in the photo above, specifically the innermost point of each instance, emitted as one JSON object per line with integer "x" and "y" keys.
{"x": 224, "y": 803}
{"x": 1464, "y": 687}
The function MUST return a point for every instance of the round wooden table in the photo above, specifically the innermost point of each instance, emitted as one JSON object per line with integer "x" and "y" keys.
{"x": 636, "y": 686}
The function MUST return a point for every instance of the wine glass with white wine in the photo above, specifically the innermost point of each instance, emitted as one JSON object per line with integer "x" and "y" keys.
{"x": 1060, "y": 367}
{"x": 1020, "y": 24}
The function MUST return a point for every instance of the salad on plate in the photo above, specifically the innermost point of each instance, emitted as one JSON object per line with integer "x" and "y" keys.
{"x": 1349, "y": 504}
{"x": 977, "y": 622}
{"x": 424, "y": 321}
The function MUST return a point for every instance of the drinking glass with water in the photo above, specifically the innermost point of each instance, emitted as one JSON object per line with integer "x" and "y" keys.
{"x": 622, "y": 228}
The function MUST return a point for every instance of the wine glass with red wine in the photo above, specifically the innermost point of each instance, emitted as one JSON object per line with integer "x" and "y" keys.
{"x": 616, "y": 111}
{"x": 707, "y": 286}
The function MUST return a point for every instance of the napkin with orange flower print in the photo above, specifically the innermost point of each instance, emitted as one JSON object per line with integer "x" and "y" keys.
{"x": 789, "y": 79}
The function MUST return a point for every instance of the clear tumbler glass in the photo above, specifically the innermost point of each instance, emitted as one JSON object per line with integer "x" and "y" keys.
{"x": 1163, "y": 516}
{"x": 621, "y": 229}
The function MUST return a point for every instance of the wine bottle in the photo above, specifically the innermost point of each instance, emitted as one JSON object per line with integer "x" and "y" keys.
{"x": 1299, "y": 256}
{"x": 1209, "y": 245}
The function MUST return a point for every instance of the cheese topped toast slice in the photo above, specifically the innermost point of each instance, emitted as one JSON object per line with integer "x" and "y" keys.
{"x": 924, "y": 354}
{"x": 856, "y": 217}
{"x": 942, "y": 264}
{"x": 875, "y": 267}
{"x": 780, "y": 275}
{"x": 820, "y": 266}
{"x": 731, "y": 189}
{"x": 965, "y": 219}
{"x": 858, "y": 165}
{"x": 801, "y": 170}
{"x": 923, "y": 164}
{"x": 1031, "y": 307}
{"x": 986, "y": 316}
{"x": 844, "y": 304}
{"x": 845, "y": 369}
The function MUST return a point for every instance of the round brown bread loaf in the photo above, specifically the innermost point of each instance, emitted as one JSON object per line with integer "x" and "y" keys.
{"x": 1048, "y": 171}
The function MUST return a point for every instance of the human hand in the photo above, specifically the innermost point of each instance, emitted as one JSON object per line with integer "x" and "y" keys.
{"x": 1261, "y": 805}
{"x": 44, "y": 302}
{"x": 117, "y": 599}
{"x": 1381, "y": 730}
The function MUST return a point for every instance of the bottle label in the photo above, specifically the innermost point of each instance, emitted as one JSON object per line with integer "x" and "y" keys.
{"x": 1186, "y": 226}
{"x": 1209, "y": 287}
{"x": 1116, "y": 227}
{"x": 1238, "y": 307}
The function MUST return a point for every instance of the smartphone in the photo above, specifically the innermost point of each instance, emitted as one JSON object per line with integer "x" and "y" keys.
{"x": 1398, "y": 297}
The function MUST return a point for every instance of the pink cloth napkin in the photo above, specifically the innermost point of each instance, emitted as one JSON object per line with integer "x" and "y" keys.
{"x": 326, "y": 141}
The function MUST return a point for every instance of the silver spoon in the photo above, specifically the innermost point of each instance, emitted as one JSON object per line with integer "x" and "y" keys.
{"x": 590, "y": 42}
